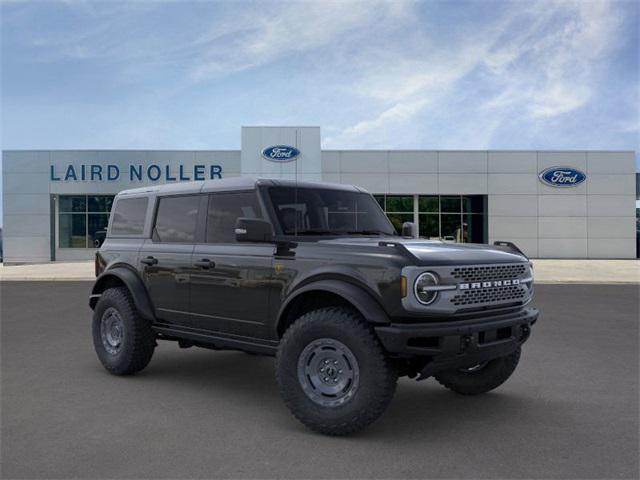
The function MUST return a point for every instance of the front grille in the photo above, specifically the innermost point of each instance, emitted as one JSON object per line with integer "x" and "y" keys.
{"x": 511, "y": 293}
{"x": 489, "y": 272}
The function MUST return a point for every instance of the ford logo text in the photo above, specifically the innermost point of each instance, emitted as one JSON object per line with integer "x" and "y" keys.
{"x": 281, "y": 153}
{"x": 562, "y": 177}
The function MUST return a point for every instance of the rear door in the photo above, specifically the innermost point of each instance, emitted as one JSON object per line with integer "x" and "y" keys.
{"x": 230, "y": 289}
{"x": 166, "y": 257}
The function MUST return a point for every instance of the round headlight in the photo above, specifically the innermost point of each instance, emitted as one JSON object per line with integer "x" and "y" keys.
{"x": 423, "y": 288}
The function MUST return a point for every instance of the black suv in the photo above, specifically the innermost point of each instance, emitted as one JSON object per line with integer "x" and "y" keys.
{"x": 316, "y": 275}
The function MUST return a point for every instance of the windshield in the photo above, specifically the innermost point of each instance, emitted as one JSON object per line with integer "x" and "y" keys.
{"x": 311, "y": 211}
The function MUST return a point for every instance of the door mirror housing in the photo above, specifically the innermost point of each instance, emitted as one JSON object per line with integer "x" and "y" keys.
{"x": 409, "y": 229}
{"x": 253, "y": 230}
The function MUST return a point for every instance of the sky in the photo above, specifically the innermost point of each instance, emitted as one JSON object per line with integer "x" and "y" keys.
{"x": 375, "y": 74}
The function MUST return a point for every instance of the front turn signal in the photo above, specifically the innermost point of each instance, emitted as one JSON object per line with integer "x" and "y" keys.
{"x": 403, "y": 286}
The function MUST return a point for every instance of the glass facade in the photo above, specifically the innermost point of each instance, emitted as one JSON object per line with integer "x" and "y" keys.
{"x": 453, "y": 218}
{"x": 82, "y": 220}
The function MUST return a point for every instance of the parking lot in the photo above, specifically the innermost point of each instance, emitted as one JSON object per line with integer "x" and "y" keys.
{"x": 569, "y": 411}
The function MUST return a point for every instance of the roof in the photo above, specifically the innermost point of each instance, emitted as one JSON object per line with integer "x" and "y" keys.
{"x": 230, "y": 184}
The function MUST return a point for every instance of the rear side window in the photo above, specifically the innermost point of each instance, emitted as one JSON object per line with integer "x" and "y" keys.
{"x": 128, "y": 216}
{"x": 176, "y": 219}
{"x": 224, "y": 210}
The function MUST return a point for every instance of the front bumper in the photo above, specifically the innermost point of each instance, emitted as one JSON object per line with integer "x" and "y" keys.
{"x": 459, "y": 344}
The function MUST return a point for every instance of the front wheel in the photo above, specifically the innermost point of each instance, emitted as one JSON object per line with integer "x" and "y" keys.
{"x": 333, "y": 373}
{"x": 480, "y": 378}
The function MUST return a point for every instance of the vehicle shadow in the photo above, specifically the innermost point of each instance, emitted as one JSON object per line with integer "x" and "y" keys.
{"x": 418, "y": 409}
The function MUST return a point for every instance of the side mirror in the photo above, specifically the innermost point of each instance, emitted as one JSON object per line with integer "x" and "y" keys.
{"x": 409, "y": 229}
{"x": 253, "y": 230}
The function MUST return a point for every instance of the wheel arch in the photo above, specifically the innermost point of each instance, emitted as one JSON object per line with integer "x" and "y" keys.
{"x": 326, "y": 293}
{"x": 123, "y": 276}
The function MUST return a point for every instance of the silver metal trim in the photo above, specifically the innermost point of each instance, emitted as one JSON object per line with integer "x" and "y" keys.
{"x": 439, "y": 288}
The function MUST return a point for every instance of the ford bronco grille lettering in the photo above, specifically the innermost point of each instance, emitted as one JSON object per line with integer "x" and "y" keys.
{"x": 494, "y": 283}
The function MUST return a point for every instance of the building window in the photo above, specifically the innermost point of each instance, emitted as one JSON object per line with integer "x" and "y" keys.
{"x": 453, "y": 218}
{"x": 399, "y": 209}
{"x": 82, "y": 220}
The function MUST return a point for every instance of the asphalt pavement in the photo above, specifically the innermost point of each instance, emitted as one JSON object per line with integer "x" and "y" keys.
{"x": 569, "y": 411}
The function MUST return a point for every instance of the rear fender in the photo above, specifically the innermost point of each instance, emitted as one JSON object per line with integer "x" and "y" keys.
{"x": 131, "y": 279}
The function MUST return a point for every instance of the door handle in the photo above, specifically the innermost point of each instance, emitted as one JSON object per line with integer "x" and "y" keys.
{"x": 149, "y": 261}
{"x": 205, "y": 263}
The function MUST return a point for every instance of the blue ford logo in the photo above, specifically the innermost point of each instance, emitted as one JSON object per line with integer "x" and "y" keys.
{"x": 280, "y": 153}
{"x": 562, "y": 177}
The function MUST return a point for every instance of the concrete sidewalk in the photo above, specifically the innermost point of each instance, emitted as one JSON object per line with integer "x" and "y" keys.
{"x": 545, "y": 271}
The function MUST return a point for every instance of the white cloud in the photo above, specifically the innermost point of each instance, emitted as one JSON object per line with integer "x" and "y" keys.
{"x": 540, "y": 60}
{"x": 259, "y": 38}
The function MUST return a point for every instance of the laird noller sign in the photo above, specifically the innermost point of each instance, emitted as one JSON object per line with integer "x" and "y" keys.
{"x": 134, "y": 172}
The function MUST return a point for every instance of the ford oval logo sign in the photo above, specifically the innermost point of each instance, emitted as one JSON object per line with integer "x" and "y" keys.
{"x": 562, "y": 177}
{"x": 281, "y": 153}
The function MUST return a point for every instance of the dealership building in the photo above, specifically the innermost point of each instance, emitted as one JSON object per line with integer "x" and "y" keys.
{"x": 551, "y": 204}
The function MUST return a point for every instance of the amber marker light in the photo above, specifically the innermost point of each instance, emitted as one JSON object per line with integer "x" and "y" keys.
{"x": 403, "y": 286}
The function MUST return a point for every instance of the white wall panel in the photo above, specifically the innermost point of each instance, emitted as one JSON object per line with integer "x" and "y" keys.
{"x": 373, "y": 182}
{"x": 21, "y": 183}
{"x": 462, "y": 162}
{"x": 599, "y": 184}
{"x": 330, "y": 162}
{"x": 611, "y": 205}
{"x": 25, "y": 204}
{"x": 562, "y": 247}
{"x": 612, "y": 248}
{"x": 407, "y": 161}
{"x": 562, "y": 227}
{"x": 611, "y": 162}
{"x": 513, "y": 162}
{"x": 562, "y": 159}
{"x": 26, "y": 249}
{"x": 413, "y": 183}
{"x": 513, "y": 183}
{"x": 562, "y": 205}
{"x": 513, "y": 205}
{"x": 356, "y": 161}
{"x": 513, "y": 227}
{"x": 331, "y": 177}
{"x": 612, "y": 227}
{"x": 462, "y": 183}
{"x": 33, "y": 161}
{"x": 26, "y": 225}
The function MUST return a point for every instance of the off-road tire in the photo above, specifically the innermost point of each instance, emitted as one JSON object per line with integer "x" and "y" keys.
{"x": 377, "y": 374}
{"x": 489, "y": 377}
{"x": 138, "y": 340}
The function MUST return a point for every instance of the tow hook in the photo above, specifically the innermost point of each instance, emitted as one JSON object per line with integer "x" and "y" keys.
{"x": 465, "y": 343}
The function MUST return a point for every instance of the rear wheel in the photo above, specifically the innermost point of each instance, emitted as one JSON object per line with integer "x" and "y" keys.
{"x": 123, "y": 341}
{"x": 333, "y": 373}
{"x": 480, "y": 378}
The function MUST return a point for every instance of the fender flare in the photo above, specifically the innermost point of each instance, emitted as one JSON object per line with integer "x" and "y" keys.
{"x": 132, "y": 281}
{"x": 363, "y": 301}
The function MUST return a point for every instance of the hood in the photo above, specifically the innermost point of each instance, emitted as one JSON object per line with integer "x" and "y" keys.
{"x": 436, "y": 252}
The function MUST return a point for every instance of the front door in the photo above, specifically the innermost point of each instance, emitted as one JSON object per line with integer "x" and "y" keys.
{"x": 166, "y": 258}
{"x": 230, "y": 289}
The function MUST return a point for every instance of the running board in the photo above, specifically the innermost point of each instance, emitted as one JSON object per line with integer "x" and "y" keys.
{"x": 220, "y": 341}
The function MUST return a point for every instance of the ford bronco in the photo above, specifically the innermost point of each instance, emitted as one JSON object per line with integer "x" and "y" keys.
{"x": 315, "y": 275}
